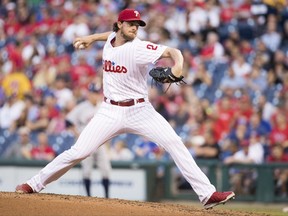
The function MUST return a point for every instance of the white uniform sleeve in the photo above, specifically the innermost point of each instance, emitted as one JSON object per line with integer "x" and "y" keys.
{"x": 111, "y": 36}
{"x": 147, "y": 52}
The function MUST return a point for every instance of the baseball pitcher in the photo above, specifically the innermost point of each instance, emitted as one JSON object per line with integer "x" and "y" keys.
{"x": 126, "y": 108}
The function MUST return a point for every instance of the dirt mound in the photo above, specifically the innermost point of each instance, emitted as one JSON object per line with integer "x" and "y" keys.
{"x": 52, "y": 204}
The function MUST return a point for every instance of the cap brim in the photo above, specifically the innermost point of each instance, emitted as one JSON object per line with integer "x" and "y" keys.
{"x": 141, "y": 22}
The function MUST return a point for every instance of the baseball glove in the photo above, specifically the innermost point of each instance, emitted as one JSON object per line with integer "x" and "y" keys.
{"x": 164, "y": 75}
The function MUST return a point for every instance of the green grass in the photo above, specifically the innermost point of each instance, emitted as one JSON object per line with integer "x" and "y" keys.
{"x": 271, "y": 209}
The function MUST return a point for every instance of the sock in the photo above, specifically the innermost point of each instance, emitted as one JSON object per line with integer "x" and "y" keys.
{"x": 87, "y": 185}
{"x": 105, "y": 183}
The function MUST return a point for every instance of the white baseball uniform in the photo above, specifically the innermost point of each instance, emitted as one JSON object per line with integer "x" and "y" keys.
{"x": 125, "y": 77}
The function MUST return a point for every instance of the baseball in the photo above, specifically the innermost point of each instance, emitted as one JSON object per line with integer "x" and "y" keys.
{"x": 79, "y": 45}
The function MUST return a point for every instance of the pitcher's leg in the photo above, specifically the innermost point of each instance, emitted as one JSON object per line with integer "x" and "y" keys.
{"x": 185, "y": 162}
{"x": 101, "y": 128}
{"x": 55, "y": 169}
{"x": 157, "y": 129}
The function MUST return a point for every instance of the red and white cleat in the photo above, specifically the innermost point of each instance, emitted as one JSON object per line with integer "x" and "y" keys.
{"x": 24, "y": 189}
{"x": 218, "y": 198}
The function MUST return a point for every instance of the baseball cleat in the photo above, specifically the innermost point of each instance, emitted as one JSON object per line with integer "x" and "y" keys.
{"x": 24, "y": 189}
{"x": 218, "y": 198}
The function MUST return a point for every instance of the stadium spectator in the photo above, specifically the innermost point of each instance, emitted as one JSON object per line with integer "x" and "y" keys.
{"x": 62, "y": 93}
{"x": 272, "y": 38}
{"x": 202, "y": 76}
{"x": 224, "y": 115}
{"x": 20, "y": 148}
{"x": 45, "y": 75}
{"x": 213, "y": 49}
{"x": 274, "y": 85}
{"x": 3, "y": 37}
{"x": 77, "y": 28}
{"x": 16, "y": 82}
{"x": 144, "y": 149}
{"x": 180, "y": 117}
{"x": 57, "y": 123}
{"x": 231, "y": 82}
{"x": 63, "y": 69}
{"x": 279, "y": 133}
{"x": 266, "y": 108}
{"x": 41, "y": 123}
{"x": 234, "y": 139}
{"x": 11, "y": 26}
{"x": 197, "y": 17}
{"x": 257, "y": 82}
{"x": 49, "y": 100}
{"x": 228, "y": 12}
{"x": 42, "y": 150}
{"x": 11, "y": 111}
{"x": 33, "y": 52}
{"x": 259, "y": 126}
{"x": 277, "y": 154}
{"x": 176, "y": 22}
{"x": 29, "y": 113}
{"x": 244, "y": 108}
{"x": 284, "y": 42}
{"x": 240, "y": 66}
{"x": 209, "y": 149}
{"x": 120, "y": 152}
{"x": 252, "y": 152}
{"x": 283, "y": 95}
{"x": 31, "y": 106}
{"x": 82, "y": 73}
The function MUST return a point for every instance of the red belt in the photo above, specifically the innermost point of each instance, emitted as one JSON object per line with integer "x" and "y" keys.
{"x": 129, "y": 102}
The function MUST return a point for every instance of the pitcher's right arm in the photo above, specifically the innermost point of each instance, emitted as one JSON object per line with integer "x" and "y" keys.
{"x": 86, "y": 41}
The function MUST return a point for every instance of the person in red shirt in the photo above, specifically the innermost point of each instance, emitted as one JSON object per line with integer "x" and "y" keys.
{"x": 213, "y": 49}
{"x": 244, "y": 108}
{"x": 277, "y": 154}
{"x": 43, "y": 151}
{"x": 279, "y": 133}
{"x": 82, "y": 73}
{"x": 228, "y": 12}
{"x": 224, "y": 116}
{"x": 11, "y": 24}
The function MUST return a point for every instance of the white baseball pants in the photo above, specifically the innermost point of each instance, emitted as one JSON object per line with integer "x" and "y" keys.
{"x": 110, "y": 121}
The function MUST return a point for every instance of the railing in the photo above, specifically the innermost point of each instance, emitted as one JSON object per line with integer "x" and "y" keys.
{"x": 255, "y": 182}
{"x": 265, "y": 181}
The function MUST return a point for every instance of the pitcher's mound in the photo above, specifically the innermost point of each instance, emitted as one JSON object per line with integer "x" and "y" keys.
{"x": 42, "y": 204}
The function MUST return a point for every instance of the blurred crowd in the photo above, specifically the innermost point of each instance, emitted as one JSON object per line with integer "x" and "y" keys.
{"x": 234, "y": 107}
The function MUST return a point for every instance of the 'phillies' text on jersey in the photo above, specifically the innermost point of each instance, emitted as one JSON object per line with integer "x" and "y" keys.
{"x": 109, "y": 66}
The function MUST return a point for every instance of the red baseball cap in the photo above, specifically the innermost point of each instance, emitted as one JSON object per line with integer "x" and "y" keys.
{"x": 131, "y": 15}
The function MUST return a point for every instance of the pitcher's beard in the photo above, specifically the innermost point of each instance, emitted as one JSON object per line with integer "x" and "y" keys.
{"x": 127, "y": 37}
